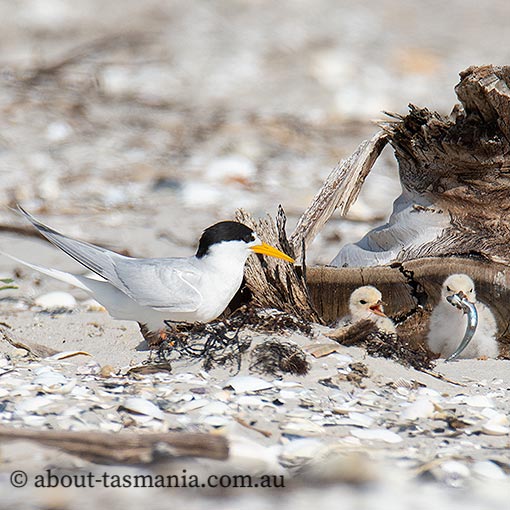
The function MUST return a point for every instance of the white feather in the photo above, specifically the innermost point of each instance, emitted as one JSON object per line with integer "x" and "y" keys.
{"x": 448, "y": 324}
{"x": 360, "y": 303}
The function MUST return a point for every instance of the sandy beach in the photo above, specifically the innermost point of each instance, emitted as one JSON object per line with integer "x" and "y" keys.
{"x": 139, "y": 127}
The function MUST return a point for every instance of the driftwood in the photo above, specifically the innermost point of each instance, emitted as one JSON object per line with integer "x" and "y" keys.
{"x": 454, "y": 175}
{"x": 410, "y": 291}
{"x": 275, "y": 283}
{"x": 124, "y": 448}
{"x": 339, "y": 191}
{"x": 456, "y": 194}
{"x": 35, "y": 349}
{"x": 451, "y": 216}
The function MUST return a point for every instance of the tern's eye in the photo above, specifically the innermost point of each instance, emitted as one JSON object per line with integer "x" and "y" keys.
{"x": 362, "y": 302}
{"x": 448, "y": 289}
{"x": 470, "y": 290}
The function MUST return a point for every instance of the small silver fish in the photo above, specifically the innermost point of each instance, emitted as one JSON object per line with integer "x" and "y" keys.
{"x": 470, "y": 309}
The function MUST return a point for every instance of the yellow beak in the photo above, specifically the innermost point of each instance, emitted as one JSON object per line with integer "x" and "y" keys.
{"x": 265, "y": 249}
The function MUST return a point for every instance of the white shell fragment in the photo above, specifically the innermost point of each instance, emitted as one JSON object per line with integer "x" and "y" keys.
{"x": 142, "y": 406}
{"x": 216, "y": 421}
{"x": 479, "y": 401}
{"x": 493, "y": 428}
{"x": 33, "y": 404}
{"x": 360, "y": 419}
{"x": 192, "y": 405}
{"x": 384, "y": 435}
{"x": 302, "y": 427}
{"x": 421, "y": 408}
{"x": 247, "y": 383}
{"x": 305, "y": 448}
{"x": 455, "y": 468}
{"x": 54, "y": 300}
{"x": 54, "y": 382}
{"x": 487, "y": 469}
{"x": 250, "y": 457}
{"x": 253, "y": 402}
{"x": 215, "y": 408}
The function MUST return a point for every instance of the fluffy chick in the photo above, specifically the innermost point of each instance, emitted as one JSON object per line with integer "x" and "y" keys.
{"x": 366, "y": 303}
{"x": 448, "y": 323}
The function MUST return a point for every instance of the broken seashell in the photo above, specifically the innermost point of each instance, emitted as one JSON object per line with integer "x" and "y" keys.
{"x": 488, "y": 469}
{"x": 192, "y": 405}
{"x": 29, "y": 405}
{"x": 215, "y": 408}
{"x": 456, "y": 468}
{"x": 479, "y": 401}
{"x": 377, "y": 435}
{"x": 493, "y": 428}
{"x": 53, "y": 382}
{"x": 360, "y": 419}
{"x": 253, "y": 401}
{"x": 143, "y": 406}
{"x": 250, "y": 457}
{"x": 57, "y": 299}
{"x": 302, "y": 427}
{"x": 421, "y": 408}
{"x": 246, "y": 383}
{"x": 216, "y": 421}
{"x": 303, "y": 448}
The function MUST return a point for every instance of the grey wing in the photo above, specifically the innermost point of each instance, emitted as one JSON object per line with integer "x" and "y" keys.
{"x": 165, "y": 284}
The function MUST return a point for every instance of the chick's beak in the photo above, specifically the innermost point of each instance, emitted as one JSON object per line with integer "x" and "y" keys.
{"x": 265, "y": 249}
{"x": 378, "y": 309}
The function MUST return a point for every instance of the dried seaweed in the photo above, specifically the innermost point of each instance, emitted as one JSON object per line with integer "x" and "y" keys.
{"x": 223, "y": 342}
{"x": 354, "y": 334}
{"x": 270, "y": 321}
{"x": 385, "y": 345}
{"x": 359, "y": 371}
{"x": 396, "y": 348}
{"x": 276, "y": 358}
{"x": 215, "y": 344}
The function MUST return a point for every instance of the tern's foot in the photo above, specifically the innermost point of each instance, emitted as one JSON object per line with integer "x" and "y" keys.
{"x": 483, "y": 358}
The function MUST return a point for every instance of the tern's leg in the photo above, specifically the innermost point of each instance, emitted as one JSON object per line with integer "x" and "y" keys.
{"x": 154, "y": 339}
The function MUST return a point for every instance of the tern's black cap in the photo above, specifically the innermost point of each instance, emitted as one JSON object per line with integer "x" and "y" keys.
{"x": 224, "y": 231}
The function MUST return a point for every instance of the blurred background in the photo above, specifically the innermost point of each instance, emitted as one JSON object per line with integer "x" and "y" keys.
{"x": 138, "y": 124}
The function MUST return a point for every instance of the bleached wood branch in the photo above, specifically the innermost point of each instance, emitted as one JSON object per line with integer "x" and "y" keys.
{"x": 339, "y": 191}
{"x": 124, "y": 448}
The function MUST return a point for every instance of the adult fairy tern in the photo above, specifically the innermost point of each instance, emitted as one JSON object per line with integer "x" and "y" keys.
{"x": 158, "y": 290}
